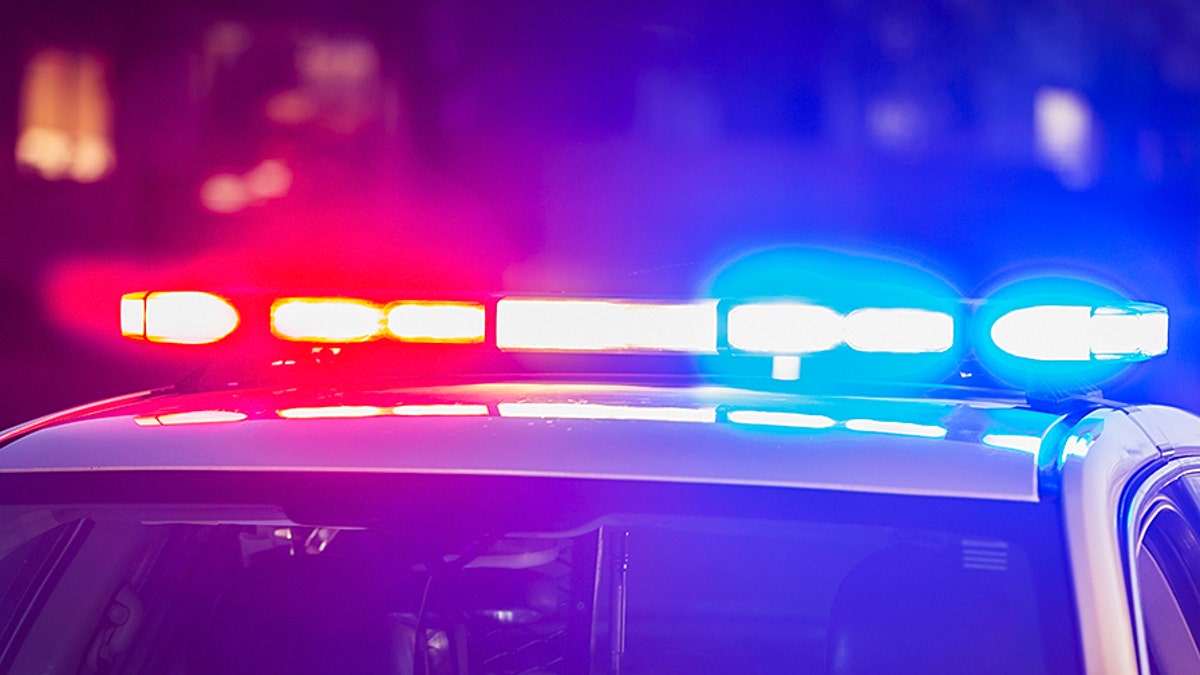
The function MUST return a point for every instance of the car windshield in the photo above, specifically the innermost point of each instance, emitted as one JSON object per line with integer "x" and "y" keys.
{"x": 320, "y": 573}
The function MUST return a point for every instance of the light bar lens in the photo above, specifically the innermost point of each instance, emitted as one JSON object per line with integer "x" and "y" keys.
{"x": 606, "y": 326}
{"x": 793, "y": 328}
{"x": 899, "y": 331}
{"x": 1131, "y": 332}
{"x": 436, "y": 322}
{"x": 336, "y": 320}
{"x": 784, "y": 328}
{"x": 178, "y": 317}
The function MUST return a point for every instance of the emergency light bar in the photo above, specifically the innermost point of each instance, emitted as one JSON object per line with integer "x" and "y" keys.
{"x": 785, "y": 329}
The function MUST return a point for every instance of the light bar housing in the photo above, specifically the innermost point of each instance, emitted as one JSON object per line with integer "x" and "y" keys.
{"x": 788, "y": 336}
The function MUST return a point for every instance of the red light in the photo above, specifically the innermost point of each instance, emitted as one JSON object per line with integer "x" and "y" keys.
{"x": 179, "y": 317}
{"x": 326, "y": 320}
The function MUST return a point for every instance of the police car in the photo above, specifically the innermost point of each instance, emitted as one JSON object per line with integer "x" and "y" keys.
{"x": 515, "y": 484}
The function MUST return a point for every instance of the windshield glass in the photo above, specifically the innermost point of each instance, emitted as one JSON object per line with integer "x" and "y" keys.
{"x": 369, "y": 574}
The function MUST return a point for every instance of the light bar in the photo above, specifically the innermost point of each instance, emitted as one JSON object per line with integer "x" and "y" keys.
{"x": 606, "y": 326}
{"x": 784, "y": 328}
{"x": 899, "y": 331}
{"x": 795, "y": 328}
{"x": 436, "y": 321}
{"x": 178, "y": 317}
{"x": 1130, "y": 332}
{"x": 336, "y": 320}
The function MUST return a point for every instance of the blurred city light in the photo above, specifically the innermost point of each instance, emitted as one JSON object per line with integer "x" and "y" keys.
{"x": 1064, "y": 135}
{"x": 65, "y": 117}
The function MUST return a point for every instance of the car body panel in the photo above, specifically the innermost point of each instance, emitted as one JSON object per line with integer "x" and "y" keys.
{"x": 983, "y": 449}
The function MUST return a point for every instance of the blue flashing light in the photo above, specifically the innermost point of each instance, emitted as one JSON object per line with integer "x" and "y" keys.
{"x": 1129, "y": 332}
{"x": 1062, "y": 334}
{"x": 848, "y": 317}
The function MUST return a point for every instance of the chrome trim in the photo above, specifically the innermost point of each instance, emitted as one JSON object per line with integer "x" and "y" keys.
{"x": 1103, "y": 453}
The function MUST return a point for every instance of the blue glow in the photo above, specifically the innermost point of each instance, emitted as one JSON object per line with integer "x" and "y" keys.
{"x": 1130, "y": 332}
{"x": 1054, "y": 334}
{"x": 854, "y": 336}
{"x": 784, "y": 328}
{"x": 899, "y": 330}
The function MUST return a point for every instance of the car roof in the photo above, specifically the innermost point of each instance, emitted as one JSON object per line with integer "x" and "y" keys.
{"x": 985, "y": 449}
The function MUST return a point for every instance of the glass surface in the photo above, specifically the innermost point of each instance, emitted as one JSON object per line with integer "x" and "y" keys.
{"x": 342, "y": 573}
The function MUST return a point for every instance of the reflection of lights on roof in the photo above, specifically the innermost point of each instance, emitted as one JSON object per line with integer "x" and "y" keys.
{"x": 896, "y": 428}
{"x": 436, "y": 321}
{"x": 1078, "y": 333}
{"x": 781, "y": 419}
{"x": 179, "y": 317}
{"x": 191, "y": 417}
{"x": 440, "y": 410}
{"x": 1020, "y": 442}
{"x": 332, "y": 412}
{"x": 326, "y": 320}
{"x": 603, "y": 325}
{"x": 1077, "y": 446}
{"x": 599, "y": 411}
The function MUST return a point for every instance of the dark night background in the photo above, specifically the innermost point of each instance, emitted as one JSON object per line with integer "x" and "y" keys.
{"x": 606, "y": 148}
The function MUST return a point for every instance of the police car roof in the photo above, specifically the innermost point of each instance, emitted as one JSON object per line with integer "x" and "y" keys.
{"x": 986, "y": 449}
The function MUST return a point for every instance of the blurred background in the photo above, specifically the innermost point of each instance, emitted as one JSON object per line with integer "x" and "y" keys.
{"x": 604, "y": 148}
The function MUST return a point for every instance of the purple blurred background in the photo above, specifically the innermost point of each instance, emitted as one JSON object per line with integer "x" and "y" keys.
{"x": 624, "y": 148}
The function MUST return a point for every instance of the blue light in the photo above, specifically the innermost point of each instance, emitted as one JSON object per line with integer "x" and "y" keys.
{"x": 848, "y": 317}
{"x": 1052, "y": 335}
{"x": 1130, "y": 332}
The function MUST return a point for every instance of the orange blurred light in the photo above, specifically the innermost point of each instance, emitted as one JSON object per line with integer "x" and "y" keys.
{"x": 436, "y": 321}
{"x": 179, "y": 317}
{"x": 270, "y": 179}
{"x": 65, "y": 126}
{"x": 326, "y": 320}
{"x": 224, "y": 193}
